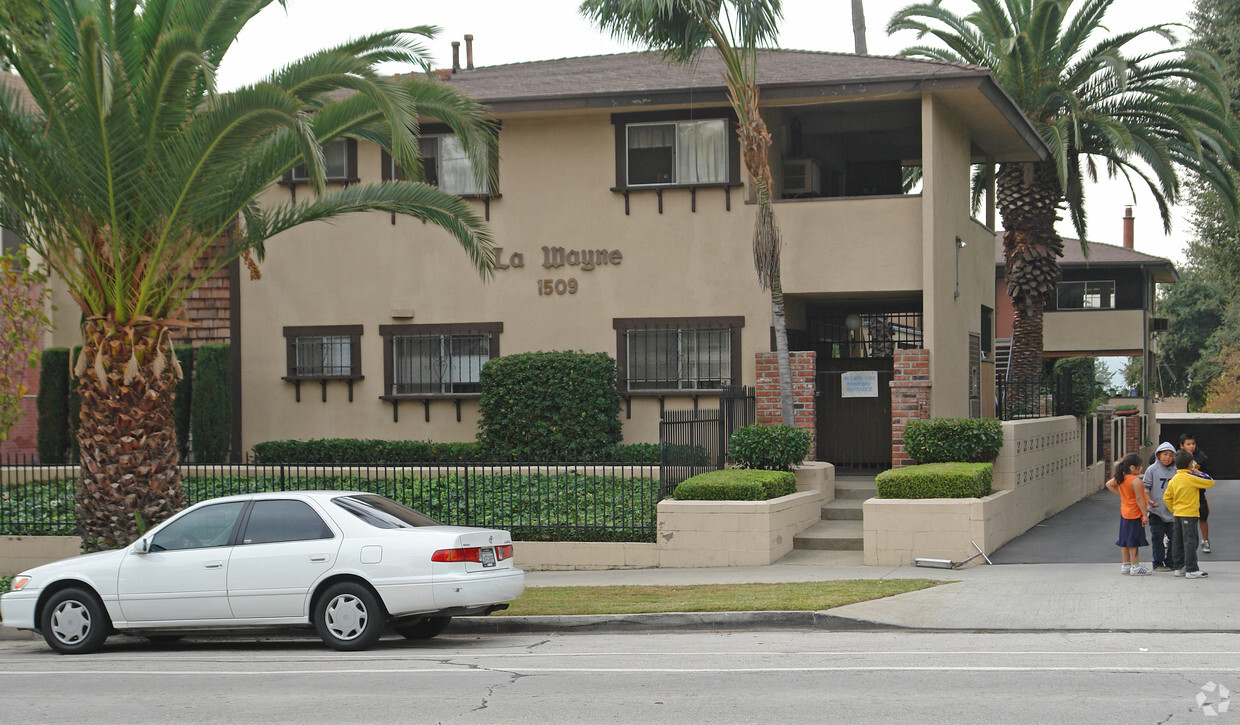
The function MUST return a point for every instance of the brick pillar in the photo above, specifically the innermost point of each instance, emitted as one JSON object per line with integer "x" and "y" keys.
{"x": 1132, "y": 433}
{"x": 804, "y": 389}
{"x": 1107, "y": 413}
{"x": 910, "y": 398}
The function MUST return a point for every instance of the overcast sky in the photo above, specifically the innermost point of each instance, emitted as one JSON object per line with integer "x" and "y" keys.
{"x": 511, "y": 32}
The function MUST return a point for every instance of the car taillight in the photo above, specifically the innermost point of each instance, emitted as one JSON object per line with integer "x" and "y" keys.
{"x": 473, "y": 554}
{"x": 503, "y": 552}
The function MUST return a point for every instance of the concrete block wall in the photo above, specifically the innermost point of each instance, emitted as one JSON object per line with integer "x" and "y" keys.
{"x": 18, "y": 553}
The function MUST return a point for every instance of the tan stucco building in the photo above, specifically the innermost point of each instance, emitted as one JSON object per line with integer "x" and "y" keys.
{"x": 625, "y": 222}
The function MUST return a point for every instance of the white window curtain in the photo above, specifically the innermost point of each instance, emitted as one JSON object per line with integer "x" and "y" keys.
{"x": 336, "y": 159}
{"x": 456, "y": 173}
{"x": 326, "y": 355}
{"x": 702, "y": 152}
{"x": 652, "y": 136}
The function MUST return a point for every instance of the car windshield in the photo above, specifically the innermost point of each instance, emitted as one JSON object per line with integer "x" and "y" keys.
{"x": 383, "y": 513}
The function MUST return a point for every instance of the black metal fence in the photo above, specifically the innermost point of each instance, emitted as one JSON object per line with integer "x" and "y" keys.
{"x": 565, "y": 501}
{"x": 1041, "y": 398}
{"x": 696, "y": 441}
{"x": 1095, "y": 440}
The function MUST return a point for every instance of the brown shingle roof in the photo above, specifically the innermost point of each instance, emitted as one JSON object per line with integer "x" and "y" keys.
{"x": 647, "y": 72}
{"x": 1101, "y": 255}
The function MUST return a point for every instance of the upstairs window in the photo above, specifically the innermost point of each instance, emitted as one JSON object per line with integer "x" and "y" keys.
{"x": 662, "y": 355}
{"x": 437, "y": 360}
{"x": 1086, "y": 295}
{"x": 678, "y": 152}
{"x": 444, "y": 165}
{"x": 339, "y": 163}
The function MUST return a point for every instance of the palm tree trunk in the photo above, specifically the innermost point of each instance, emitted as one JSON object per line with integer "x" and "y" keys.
{"x": 1028, "y": 195}
{"x": 130, "y": 478}
{"x": 858, "y": 18}
{"x": 782, "y": 356}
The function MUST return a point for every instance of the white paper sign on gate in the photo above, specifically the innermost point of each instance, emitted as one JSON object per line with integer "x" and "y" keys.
{"x": 859, "y": 384}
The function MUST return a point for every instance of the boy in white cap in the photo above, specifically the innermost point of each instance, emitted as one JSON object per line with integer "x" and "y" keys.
{"x": 1162, "y": 521}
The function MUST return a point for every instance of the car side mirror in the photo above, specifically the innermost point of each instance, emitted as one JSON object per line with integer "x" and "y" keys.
{"x": 142, "y": 546}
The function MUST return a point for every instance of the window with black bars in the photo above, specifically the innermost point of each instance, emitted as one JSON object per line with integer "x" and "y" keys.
{"x": 692, "y": 354}
{"x": 866, "y": 334}
{"x": 422, "y": 361}
{"x": 328, "y": 351}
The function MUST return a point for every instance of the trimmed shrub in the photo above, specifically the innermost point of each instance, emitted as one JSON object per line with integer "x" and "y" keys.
{"x": 768, "y": 447}
{"x": 184, "y": 397}
{"x": 937, "y": 480}
{"x": 541, "y": 404}
{"x": 211, "y": 415}
{"x": 75, "y": 406}
{"x": 52, "y": 438}
{"x": 737, "y": 485}
{"x": 363, "y": 450}
{"x": 946, "y": 440}
{"x": 683, "y": 454}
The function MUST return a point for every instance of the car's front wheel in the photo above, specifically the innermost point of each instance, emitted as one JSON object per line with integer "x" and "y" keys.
{"x": 424, "y": 628}
{"x": 74, "y": 622}
{"x": 349, "y": 617}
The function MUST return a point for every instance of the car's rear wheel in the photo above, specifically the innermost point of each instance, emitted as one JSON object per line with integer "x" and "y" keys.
{"x": 349, "y": 617}
{"x": 424, "y": 628}
{"x": 74, "y": 622}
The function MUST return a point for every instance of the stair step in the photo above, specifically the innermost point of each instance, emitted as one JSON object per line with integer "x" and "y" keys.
{"x": 843, "y": 509}
{"x": 855, "y": 492}
{"x": 831, "y": 536}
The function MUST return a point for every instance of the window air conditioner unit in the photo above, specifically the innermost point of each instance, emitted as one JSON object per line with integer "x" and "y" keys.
{"x": 1160, "y": 324}
{"x": 802, "y": 176}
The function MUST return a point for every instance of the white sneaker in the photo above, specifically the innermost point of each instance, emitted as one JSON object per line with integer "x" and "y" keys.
{"x": 1205, "y": 546}
{"x": 1179, "y": 572}
{"x": 1196, "y": 575}
{"x": 1138, "y": 570}
{"x": 1125, "y": 569}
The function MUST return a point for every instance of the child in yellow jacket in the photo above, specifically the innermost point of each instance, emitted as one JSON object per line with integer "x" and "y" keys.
{"x": 1183, "y": 501}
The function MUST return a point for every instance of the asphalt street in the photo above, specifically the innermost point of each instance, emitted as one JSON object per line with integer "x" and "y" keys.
{"x": 711, "y": 677}
{"x": 1085, "y": 533}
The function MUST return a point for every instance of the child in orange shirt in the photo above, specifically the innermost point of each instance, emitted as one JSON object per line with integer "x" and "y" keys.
{"x": 1133, "y": 511}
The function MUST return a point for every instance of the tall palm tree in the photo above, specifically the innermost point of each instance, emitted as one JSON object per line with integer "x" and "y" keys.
{"x": 737, "y": 30}
{"x": 128, "y": 168}
{"x": 1145, "y": 116}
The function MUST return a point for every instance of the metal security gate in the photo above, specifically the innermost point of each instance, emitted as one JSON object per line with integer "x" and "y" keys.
{"x": 696, "y": 441}
{"x": 854, "y": 433}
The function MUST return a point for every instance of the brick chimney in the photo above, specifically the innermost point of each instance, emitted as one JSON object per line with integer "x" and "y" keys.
{"x": 469, "y": 52}
{"x": 1128, "y": 235}
{"x": 456, "y": 56}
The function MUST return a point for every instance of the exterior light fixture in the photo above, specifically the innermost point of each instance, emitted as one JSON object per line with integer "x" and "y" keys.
{"x": 852, "y": 321}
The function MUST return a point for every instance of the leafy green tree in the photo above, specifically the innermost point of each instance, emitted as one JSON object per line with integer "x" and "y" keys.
{"x": 1194, "y": 308}
{"x": 23, "y": 320}
{"x": 736, "y": 30}
{"x": 1147, "y": 116}
{"x": 131, "y": 169}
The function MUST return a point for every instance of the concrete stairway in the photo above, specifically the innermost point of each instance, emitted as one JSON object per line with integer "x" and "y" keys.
{"x": 840, "y": 528}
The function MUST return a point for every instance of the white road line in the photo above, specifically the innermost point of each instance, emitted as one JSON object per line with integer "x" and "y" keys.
{"x": 628, "y": 670}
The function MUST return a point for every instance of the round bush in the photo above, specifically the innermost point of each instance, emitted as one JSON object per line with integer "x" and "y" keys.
{"x": 768, "y": 447}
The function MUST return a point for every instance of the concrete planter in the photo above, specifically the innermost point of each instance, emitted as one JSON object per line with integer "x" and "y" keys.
{"x": 1038, "y": 474}
{"x": 18, "y": 553}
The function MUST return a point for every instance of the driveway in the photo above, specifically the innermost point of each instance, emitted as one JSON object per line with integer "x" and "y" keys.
{"x": 1085, "y": 533}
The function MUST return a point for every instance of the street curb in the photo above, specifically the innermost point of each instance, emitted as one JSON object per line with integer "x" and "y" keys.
{"x": 664, "y": 622}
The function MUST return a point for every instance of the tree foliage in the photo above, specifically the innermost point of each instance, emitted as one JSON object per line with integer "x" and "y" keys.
{"x": 1194, "y": 308}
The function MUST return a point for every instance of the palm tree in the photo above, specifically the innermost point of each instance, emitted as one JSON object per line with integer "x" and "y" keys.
{"x": 737, "y": 30}
{"x": 1144, "y": 116}
{"x": 128, "y": 167}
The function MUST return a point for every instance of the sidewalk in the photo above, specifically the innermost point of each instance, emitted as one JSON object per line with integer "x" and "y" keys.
{"x": 1021, "y": 597}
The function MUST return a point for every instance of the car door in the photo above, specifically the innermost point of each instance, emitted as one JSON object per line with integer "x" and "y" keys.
{"x": 285, "y": 547}
{"x": 184, "y": 575}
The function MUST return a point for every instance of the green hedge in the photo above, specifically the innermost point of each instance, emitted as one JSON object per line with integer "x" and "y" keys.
{"x": 768, "y": 447}
{"x": 75, "y": 407}
{"x": 937, "y": 480}
{"x": 946, "y": 440}
{"x": 182, "y": 406}
{"x": 532, "y": 506}
{"x": 52, "y": 438}
{"x": 211, "y": 419}
{"x": 549, "y": 403}
{"x": 737, "y": 485}
{"x": 369, "y": 450}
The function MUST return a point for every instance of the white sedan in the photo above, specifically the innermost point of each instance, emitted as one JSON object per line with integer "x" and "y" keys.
{"x": 348, "y": 564}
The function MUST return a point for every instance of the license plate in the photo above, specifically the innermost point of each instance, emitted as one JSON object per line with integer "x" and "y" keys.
{"x": 488, "y": 557}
